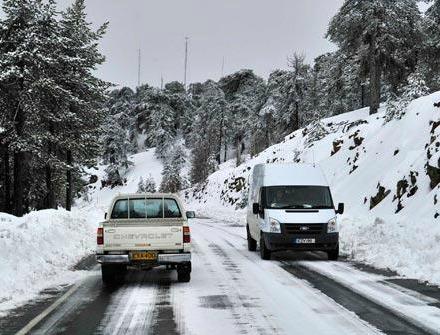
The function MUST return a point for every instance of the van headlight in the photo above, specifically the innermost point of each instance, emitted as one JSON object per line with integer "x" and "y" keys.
{"x": 274, "y": 226}
{"x": 332, "y": 226}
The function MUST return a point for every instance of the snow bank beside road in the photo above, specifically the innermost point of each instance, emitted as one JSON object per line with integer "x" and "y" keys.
{"x": 38, "y": 251}
{"x": 409, "y": 248}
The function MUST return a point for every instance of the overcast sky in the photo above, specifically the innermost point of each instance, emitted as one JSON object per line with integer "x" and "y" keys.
{"x": 255, "y": 34}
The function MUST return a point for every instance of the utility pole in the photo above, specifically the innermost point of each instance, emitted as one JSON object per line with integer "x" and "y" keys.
{"x": 223, "y": 67}
{"x": 139, "y": 68}
{"x": 161, "y": 82}
{"x": 186, "y": 62}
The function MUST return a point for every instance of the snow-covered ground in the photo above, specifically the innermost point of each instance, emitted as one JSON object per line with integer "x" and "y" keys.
{"x": 367, "y": 162}
{"x": 38, "y": 251}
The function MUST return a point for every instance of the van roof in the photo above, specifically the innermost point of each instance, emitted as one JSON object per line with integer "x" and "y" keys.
{"x": 283, "y": 174}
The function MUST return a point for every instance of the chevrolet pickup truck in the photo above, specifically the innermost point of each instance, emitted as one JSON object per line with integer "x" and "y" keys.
{"x": 144, "y": 231}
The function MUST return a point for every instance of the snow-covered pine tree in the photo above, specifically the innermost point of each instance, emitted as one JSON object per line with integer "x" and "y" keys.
{"x": 162, "y": 131}
{"x": 122, "y": 103}
{"x": 115, "y": 146}
{"x": 86, "y": 112}
{"x": 141, "y": 185}
{"x": 429, "y": 54}
{"x": 17, "y": 73}
{"x": 382, "y": 34}
{"x": 415, "y": 88}
{"x": 173, "y": 165}
{"x": 150, "y": 185}
{"x": 244, "y": 94}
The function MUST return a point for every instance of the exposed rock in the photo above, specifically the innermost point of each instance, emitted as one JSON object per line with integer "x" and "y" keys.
{"x": 382, "y": 193}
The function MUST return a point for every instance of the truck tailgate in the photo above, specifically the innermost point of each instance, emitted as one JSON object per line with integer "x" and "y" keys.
{"x": 126, "y": 237}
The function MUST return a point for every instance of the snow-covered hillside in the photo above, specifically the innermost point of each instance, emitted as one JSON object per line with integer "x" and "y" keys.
{"x": 98, "y": 199}
{"x": 387, "y": 174}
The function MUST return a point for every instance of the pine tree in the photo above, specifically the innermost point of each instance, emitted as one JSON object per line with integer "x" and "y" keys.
{"x": 373, "y": 31}
{"x": 150, "y": 185}
{"x": 86, "y": 112}
{"x": 141, "y": 186}
{"x": 115, "y": 146}
{"x": 429, "y": 54}
{"x": 17, "y": 73}
{"x": 415, "y": 88}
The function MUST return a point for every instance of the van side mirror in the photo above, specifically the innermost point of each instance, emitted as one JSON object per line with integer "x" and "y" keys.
{"x": 105, "y": 216}
{"x": 256, "y": 208}
{"x": 341, "y": 208}
{"x": 190, "y": 215}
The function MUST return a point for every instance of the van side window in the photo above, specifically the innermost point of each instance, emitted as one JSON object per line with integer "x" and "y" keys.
{"x": 154, "y": 208}
{"x": 120, "y": 209}
{"x": 171, "y": 209}
{"x": 138, "y": 208}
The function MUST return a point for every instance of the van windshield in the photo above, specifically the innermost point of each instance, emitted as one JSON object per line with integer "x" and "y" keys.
{"x": 296, "y": 197}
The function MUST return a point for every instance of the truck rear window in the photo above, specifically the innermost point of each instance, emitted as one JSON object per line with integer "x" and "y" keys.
{"x": 120, "y": 210}
{"x": 150, "y": 208}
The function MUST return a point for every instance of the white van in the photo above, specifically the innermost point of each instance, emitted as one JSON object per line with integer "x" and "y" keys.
{"x": 291, "y": 208}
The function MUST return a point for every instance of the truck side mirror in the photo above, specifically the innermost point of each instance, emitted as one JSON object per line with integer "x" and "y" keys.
{"x": 256, "y": 208}
{"x": 105, "y": 216}
{"x": 341, "y": 208}
{"x": 190, "y": 215}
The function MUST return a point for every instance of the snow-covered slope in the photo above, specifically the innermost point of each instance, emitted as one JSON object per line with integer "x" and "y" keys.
{"x": 386, "y": 173}
{"x": 98, "y": 199}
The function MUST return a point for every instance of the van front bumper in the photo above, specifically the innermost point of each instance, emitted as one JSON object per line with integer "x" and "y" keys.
{"x": 162, "y": 259}
{"x": 323, "y": 242}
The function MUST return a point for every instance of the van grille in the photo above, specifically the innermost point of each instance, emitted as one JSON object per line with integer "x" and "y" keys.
{"x": 306, "y": 229}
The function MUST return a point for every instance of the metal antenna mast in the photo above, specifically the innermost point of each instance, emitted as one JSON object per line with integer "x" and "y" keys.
{"x": 139, "y": 68}
{"x": 186, "y": 61}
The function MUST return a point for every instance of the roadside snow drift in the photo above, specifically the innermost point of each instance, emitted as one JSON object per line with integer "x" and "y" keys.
{"x": 39, "y": 251}
{"x": 387, "y": 174}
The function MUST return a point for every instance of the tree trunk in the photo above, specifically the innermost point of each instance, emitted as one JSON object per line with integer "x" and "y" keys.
{"x": 6, "y": 181}
{"x": 226, "y": 151}
{"x": 50, "y": 195}
{"x": 375, "y": 74}
{"x": 69, "y": 186}
{"x": 219, "y": 150}
{"x": 238, "y": 150}
{"x": 19, "y": 161}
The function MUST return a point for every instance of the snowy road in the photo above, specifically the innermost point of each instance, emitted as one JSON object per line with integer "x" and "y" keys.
{"x": 232, "y": 291}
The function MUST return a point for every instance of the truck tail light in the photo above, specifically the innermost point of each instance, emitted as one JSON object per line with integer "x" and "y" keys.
{"x": 100, "y": 236}
{"x": 186, "y": 235}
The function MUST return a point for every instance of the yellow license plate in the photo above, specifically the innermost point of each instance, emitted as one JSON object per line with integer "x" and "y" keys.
{"x": 143, "y": 256}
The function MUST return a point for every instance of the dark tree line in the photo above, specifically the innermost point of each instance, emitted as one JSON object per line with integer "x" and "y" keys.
{"x": 51, "y": 105}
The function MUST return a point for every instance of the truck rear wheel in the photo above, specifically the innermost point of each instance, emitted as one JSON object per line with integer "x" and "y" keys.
{"x": 265, "y": 253}
{"x": 184, "y": 273}
{"x": 333, "y": 255}
{"x": 112, "y": 273}
{"x": 252, "y": 244}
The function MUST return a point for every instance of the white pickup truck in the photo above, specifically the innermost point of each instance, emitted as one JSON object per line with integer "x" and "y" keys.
{"x": 144, "y": 231}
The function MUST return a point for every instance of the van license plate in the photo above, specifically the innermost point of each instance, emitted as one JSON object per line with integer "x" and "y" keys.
{"x": 305, "y": 241}
{"x": 143, "y": 256}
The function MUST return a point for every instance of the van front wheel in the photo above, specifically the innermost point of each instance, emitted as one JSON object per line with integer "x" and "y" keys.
{"x": 333, "y": 255}
{"x": 252, "y": 244}
{"x": 265, "y": 253}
